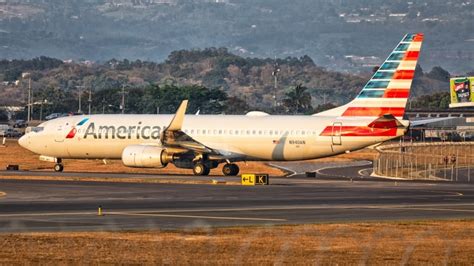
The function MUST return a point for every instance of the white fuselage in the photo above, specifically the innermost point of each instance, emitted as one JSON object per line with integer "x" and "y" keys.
{"x": 278, "y": 138}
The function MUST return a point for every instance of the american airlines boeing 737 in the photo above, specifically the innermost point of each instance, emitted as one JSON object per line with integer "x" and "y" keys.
{"x": 202, "y": 142}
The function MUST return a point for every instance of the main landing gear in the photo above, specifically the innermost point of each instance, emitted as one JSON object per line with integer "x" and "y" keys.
{"x": 58, "y": 167}
{"x": 230, "y": 169}
{"x": 204, "y": 168}
{"x": 201, "y": 169}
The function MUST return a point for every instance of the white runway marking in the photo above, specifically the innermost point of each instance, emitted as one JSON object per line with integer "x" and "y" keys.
{"x": 175, "y": 213}
{"x": 284, "y": 168}
{"x": 196, "y": 216}
{"x": 362, "y": 163}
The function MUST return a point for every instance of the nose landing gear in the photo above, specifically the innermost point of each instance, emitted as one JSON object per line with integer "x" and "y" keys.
{"x": 58, "y": 167}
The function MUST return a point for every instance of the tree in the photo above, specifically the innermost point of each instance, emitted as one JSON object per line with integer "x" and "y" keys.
{"x": 235, "y": 105}
{"x": 56, "y": 100}
{"x": 438, "y": 100}
{"x": 298, "y": 100}
{"x": 168, "y": 98}
{"x": 324, "y": 107}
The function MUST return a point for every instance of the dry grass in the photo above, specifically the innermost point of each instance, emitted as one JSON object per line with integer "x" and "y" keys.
{"x": 360, "y": 243}
{"x": 14, "y": 154}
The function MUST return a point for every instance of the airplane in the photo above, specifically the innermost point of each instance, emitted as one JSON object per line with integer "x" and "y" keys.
{"x": 202, "y": 142}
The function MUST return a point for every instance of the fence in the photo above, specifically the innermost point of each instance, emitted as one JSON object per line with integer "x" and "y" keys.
{"x": 452, "y": 161}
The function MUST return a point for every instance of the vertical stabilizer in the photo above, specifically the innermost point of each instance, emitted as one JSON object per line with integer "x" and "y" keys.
{"x": 388, "y": 90}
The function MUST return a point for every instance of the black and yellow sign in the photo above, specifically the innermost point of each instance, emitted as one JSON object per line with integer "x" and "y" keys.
{"x": 255, "y": 179}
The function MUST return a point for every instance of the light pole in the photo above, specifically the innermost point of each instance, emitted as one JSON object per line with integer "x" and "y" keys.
{"x": 29, "y": 106}
{"x": 122, "y": 105}
{"x": 45, "y": 101}
{"x": 276, "y": 70}
{"x": 103, "y": 105}
{"x": 90, "y": 100}
{"x": 79, "y": 110}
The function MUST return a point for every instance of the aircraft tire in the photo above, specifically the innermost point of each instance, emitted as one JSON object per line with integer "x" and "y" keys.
{"x": 58, "y": 167}
{"x": 230, "y": 169}
{"x": 201, "y": 169}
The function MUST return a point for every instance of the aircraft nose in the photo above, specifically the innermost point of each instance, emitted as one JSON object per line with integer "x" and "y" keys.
{"x": 23, "y": 141}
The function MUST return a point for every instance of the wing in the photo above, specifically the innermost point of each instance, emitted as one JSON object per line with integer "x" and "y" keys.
{"x": 174, "y": 138}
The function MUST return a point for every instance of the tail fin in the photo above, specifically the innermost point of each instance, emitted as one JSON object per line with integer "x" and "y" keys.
{"x": 388, "y": 90}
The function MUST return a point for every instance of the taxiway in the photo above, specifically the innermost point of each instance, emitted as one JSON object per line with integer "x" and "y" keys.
{"x": 33, "y": 205}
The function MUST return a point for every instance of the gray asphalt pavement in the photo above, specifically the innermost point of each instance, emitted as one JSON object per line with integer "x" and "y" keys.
{"x": 462, "y": 174}
{"x": 70, "y": 206}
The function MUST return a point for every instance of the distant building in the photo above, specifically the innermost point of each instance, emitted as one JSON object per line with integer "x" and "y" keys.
{"x": 364, "y": 61}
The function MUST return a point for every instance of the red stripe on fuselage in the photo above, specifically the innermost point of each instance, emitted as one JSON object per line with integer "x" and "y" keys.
{"x": 374, "y": 111}
{"x": 358, "y": 131}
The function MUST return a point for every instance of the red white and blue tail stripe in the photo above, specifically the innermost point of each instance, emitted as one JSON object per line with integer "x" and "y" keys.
{"x": 388, "y": 90}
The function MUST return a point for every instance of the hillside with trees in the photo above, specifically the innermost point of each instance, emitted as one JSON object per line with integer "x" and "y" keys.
{"x": 211, "y": 73}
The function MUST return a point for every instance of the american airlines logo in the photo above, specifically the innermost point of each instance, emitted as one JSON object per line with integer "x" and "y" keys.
{"x": 74, "y": 129}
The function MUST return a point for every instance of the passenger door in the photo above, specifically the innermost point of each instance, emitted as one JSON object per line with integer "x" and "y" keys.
{"x": 336, "y": 133}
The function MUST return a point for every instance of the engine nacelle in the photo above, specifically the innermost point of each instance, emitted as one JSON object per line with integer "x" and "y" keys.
{"x": 145, "y": 156}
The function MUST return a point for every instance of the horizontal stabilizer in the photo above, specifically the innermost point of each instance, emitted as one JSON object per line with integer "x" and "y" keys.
{"x": 386, "y": 121}
{"x": 428, "y": 121}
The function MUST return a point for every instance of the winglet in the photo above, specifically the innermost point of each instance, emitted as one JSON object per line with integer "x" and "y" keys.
{"x": 178, "y": 118}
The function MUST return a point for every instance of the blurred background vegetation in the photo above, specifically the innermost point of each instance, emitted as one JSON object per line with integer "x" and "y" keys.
{"x": 214, "y": 80}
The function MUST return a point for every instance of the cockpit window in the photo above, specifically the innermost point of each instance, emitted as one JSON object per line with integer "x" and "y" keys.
{"x": 34, "y": 129}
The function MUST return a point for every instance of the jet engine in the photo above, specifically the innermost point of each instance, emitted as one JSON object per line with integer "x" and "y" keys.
{"x": 146, "y": 156}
